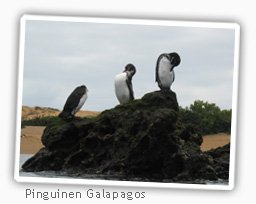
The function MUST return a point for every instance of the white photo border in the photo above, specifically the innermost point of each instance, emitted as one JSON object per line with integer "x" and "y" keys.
{"x": 195, "y": 24}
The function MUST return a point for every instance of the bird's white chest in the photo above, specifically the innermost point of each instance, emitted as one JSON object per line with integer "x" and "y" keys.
{"x": 166, "y": 76}
{"x": 80, "y": 104}
{"x": 121, "y": 88}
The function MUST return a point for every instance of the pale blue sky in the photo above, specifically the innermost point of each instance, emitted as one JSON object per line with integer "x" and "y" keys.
{"x": 60, "y": 56}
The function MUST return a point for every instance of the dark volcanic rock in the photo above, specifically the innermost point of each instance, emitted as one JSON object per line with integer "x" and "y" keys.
{"x": 221, "y": 157}
{"x": 140, "y": 139}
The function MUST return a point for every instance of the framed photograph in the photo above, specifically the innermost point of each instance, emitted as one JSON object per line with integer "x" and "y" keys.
{"x": 127, "y": 102}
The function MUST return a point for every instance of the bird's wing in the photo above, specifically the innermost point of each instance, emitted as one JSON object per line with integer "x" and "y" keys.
{"x": 74, "y": 98}
{"x": 157, "y": 66}
{"x": 129, "y": 85}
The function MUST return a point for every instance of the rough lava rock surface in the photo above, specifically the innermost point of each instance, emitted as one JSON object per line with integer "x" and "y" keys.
{"x": 141, "y": 140}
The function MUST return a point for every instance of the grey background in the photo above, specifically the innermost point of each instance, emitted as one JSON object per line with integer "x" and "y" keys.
{"x": 62, "y": 55}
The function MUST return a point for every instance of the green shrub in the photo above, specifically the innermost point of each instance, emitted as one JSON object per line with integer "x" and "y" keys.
{"x": 41, "y": 121}
{"x": 206, "y": 118}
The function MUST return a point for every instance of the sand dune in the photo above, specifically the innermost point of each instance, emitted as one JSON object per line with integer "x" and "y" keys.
{"x": 35, "y": 112}
{"x": 31, "y": 140}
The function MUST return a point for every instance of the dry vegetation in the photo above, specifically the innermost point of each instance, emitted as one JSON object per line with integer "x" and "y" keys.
{"x": 29, "y": 113}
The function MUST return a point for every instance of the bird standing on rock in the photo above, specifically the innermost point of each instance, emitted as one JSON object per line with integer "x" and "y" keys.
{"x": 74, "y": 102}
{"x": 164, "y": 69}
{"x": 123, "y": 84}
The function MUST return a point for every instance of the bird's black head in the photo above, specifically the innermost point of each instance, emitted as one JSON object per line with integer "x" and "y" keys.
{"x": 174, "y": 59}
{"x": 84, "y": 87}
{"x": 130, "y": 69}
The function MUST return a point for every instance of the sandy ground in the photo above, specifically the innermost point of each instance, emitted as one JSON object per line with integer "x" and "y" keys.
{"x": 214, "y": 141}
{"x": 31, "y": 140}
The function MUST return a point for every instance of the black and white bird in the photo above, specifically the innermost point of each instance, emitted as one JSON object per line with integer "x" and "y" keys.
{"x": 74, "y": 102}
{"x": 123, "y": 84}
{"x": 164, "y": 69}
